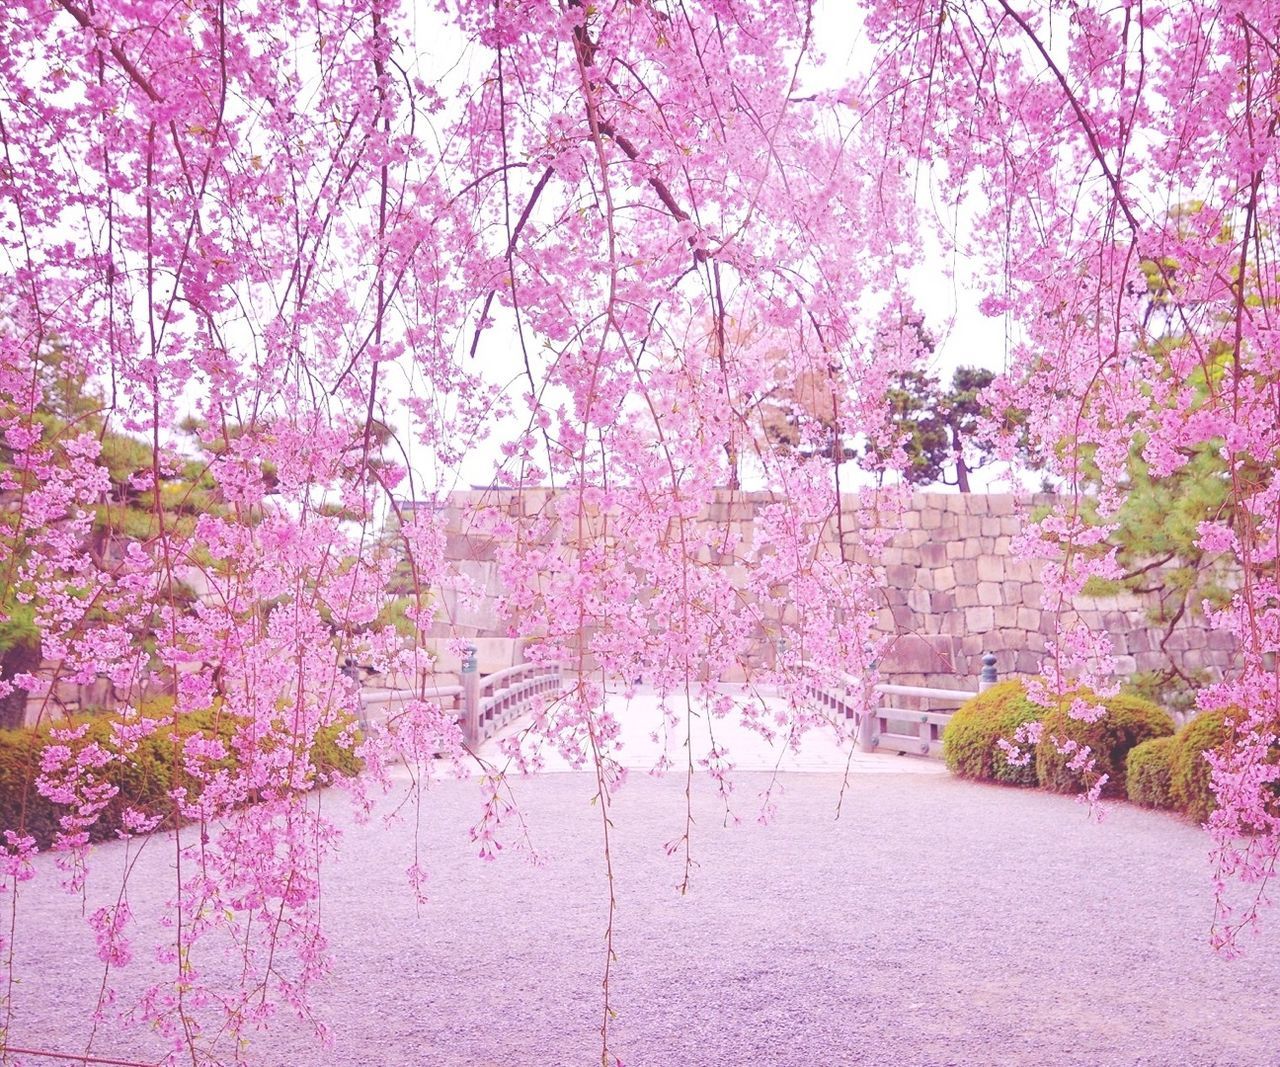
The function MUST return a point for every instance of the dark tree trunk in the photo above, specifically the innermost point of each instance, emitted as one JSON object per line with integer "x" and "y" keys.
{"x": 22, "y": 658}
{"x": 731, "y": 452}
{"x": 957, "y": 450}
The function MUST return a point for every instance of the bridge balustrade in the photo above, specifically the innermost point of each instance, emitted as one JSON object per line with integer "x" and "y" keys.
{"x": 483, "y": 706}
{"x": 507, "y": 694}
{"x": 894, "y": 723}
{"x": 380, "y": 705}
{"x": 904, "y": 719}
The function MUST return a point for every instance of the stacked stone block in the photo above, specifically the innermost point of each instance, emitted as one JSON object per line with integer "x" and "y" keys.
{"x": 953, "y": 586}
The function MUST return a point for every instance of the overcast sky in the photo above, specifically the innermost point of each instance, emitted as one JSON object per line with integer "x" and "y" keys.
{"x": 941, "y": 286}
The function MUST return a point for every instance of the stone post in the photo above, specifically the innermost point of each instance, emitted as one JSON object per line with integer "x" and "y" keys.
{"x": 989, "y": 677}
{"x": 870, "y": 715}
{"x": 470, "y": 696}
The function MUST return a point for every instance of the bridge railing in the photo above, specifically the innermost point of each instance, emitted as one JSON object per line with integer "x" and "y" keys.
{"x": 904, "y": 718}
{"x": 483, "y": 705}
{"x": 507, "y": 694}
{"x": 917, "y": 730}
{"x": 380, "y": 704}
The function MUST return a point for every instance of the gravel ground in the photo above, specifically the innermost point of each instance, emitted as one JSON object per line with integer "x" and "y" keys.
{"x": 936, "y": 922}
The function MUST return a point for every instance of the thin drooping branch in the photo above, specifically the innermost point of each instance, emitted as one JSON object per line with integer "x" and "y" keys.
{"x": 530, "y": 204}
{"x": 117, "y": 53}
{"x": 1082, "y": 117}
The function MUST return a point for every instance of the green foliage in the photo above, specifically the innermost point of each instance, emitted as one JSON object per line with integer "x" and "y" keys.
{"x": 71, "y": 406}
{"x": 1095, "y": 586}
{"x": 20, "y": 653}
{"x": 1175, "y": 691}
{"x": 1190, "y": 776}
{"x": 969, "y": 743}
{"x": 123, "y": 457}
{"x": 19, "y": 629}
{"x": 915, "y": 409}
{"x": 333, "y": 756}
{"x": 937, "y": 424}
{"x": 131, "y": 523}
{"x": 21, "y": 808}
{"x": 187, "y": 498}
{"x": 1150, "y": 767}
{"x": 1129, "y": 721}
{"x": 1158, "y": 525}
{"x": 1190, "y": 784}
{"x": 393, "y": 613}
{"x": 143, "y": 780}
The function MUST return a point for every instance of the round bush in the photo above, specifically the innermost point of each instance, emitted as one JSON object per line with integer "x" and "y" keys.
{"x": 1189, "y": 777}
{"x": 1148, "y": 772}
{"x": 144, "y": 779}
{"x": 969, "y": 741}
{"x": 1128, "y": 722}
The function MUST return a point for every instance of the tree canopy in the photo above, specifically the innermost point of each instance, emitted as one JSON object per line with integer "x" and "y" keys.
{"x": 938, "y": 429}
{"x": 348, "y": 260}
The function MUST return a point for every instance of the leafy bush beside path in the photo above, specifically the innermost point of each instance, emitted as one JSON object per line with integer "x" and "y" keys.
{"x": 140, "y": 782}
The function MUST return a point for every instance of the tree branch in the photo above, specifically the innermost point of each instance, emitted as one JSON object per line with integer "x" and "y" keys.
{"x": 511, "y": 245}
{"x": 1083, "y": 118}
{"x": 82, "y": 17}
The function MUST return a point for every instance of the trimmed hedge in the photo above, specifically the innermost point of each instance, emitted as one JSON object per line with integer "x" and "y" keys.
{"x": 21, "y": 807}
{"x": 1147, "y": 780}
{"x": 1187, "y": 780}
{"x": 144, "y": 780}
{"x": 1129, "y": 721}
{"x": 969, "y": 741}
{"x": 1190, "y": 784}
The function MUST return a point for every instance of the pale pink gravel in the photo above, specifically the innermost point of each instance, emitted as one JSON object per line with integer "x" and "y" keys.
{"x": 936, "y": 922}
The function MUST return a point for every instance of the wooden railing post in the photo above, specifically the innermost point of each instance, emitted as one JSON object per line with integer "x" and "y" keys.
{"x": 470, "y": 696}
{"x": 866, "y": 730}
{"x": 989, "y": 677}
{"x": 868, "y": 723}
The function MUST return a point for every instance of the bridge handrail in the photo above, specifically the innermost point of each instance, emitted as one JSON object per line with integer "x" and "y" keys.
{"x": 488, "y": 704}
{"x": 872, "y": 724}
{"x": 517, "y": 690}
{"x": 374, "y": 694}
{"x": 959, "y": 695}
{"x": 380, "y": 696}
{"x": 824, "y": 672}
{"x": 490, "y": 683}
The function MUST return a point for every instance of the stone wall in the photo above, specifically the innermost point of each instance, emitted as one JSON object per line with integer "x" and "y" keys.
{"x": 56, "y": 695}
{"x": 953, "y": 589}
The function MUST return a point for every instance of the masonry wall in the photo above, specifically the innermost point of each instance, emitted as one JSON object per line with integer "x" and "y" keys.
{"x": 953, "y": 589}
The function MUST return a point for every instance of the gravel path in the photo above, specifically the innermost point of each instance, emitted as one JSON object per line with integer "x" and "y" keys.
{"x": 936, "y": 922}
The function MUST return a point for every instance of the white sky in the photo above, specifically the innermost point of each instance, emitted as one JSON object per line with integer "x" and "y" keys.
{"x": 942, "y": 288}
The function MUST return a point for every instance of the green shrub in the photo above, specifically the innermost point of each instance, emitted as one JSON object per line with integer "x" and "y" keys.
{"x": 969, "y": 741}
{"x": 1129, "y": 721}
{"x": 1149, "y": 769}
{"x": 333, "y": 756}
{"x": 1189, "y": 775}
{"x": 20, "y": 805}
{"x": 142, "y": 781}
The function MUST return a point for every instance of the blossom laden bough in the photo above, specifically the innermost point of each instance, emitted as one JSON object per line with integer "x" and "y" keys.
{"x": 294, "y": 230}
